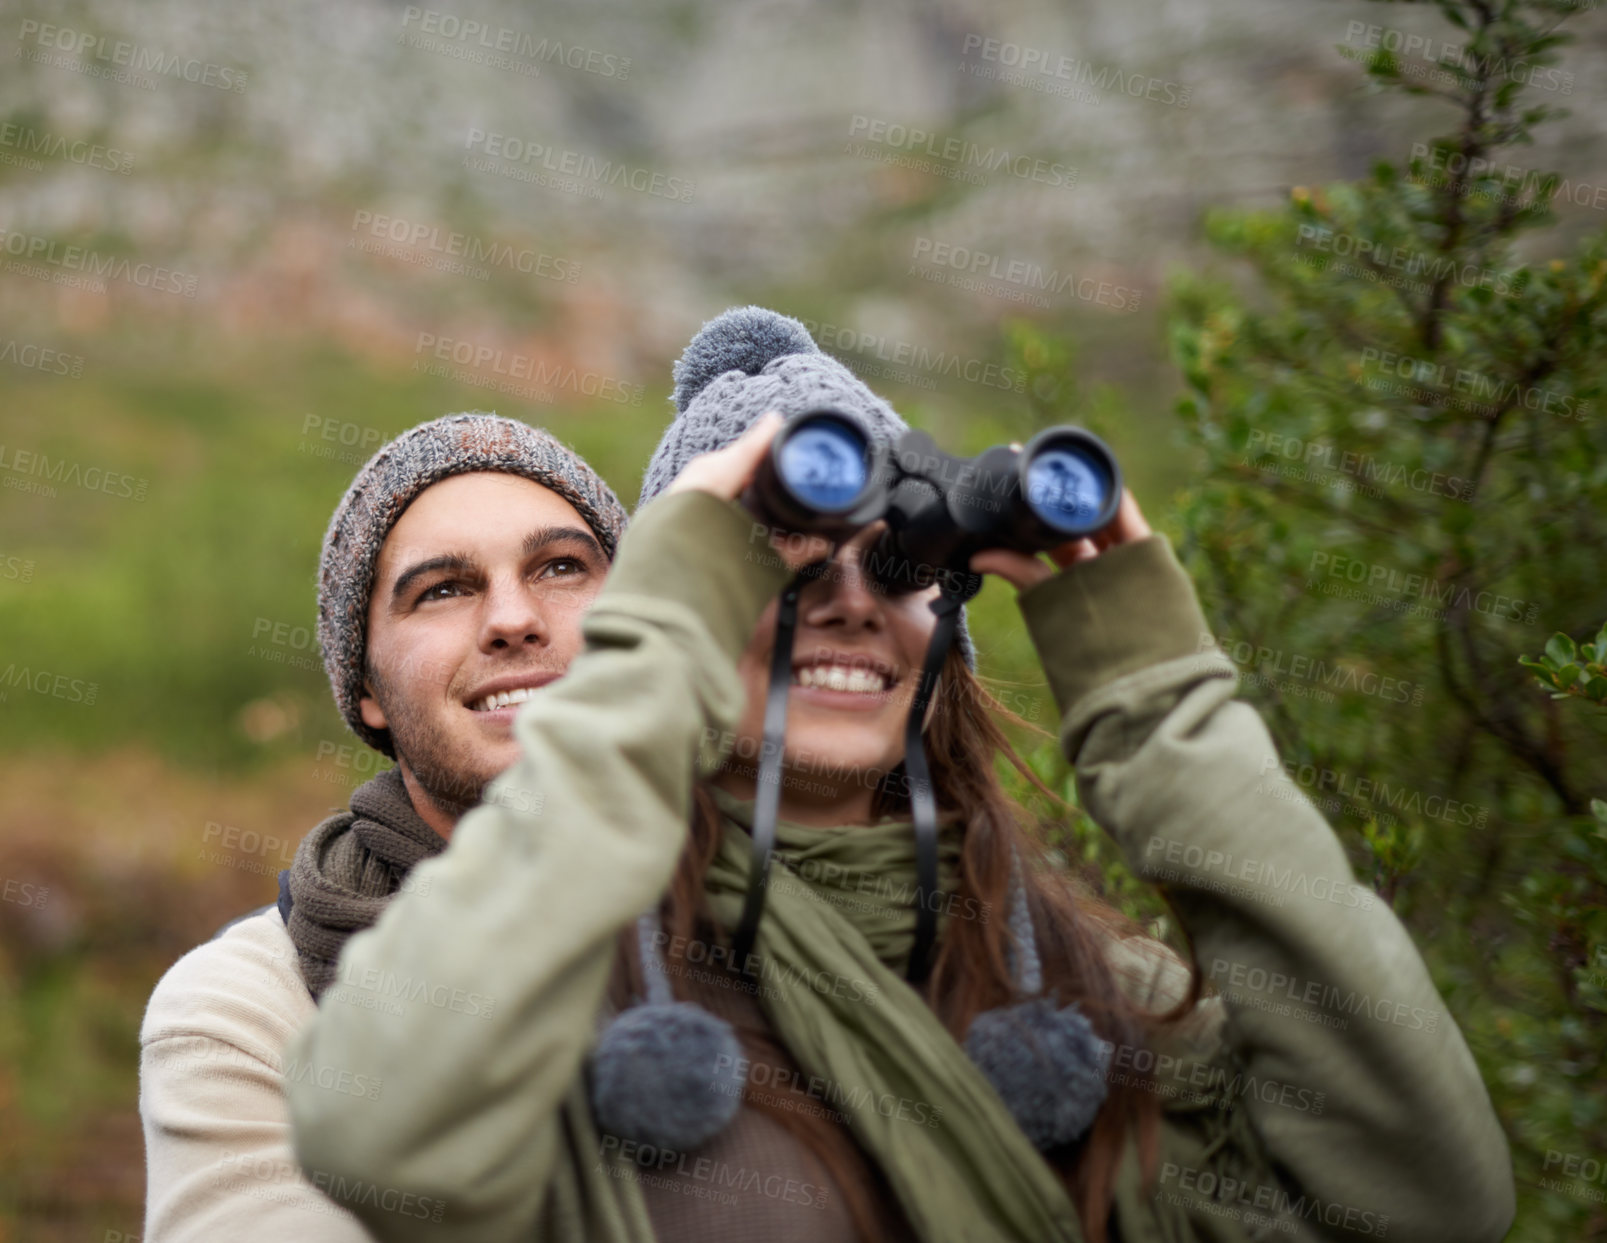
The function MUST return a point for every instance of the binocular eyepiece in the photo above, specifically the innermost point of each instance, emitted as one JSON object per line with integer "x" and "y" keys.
{"x": 827, "y": 475}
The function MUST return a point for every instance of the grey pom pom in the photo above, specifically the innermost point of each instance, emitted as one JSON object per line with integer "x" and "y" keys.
{"x": 1047, "y": 1065}
{"x": 669, "y": 1075}
{"x": 743, "y": 339}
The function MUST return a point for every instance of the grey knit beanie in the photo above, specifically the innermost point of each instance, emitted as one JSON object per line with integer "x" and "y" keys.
{"x": 745, "y": 362}
{"x": 455, "y": 444}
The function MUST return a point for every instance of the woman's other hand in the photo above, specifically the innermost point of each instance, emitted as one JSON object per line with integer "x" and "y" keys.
{"x": 725, "y": 472}
{"x": 1024, "y": 570}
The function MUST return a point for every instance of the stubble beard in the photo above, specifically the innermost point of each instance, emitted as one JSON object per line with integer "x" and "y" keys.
{"x": 444, "y": 768}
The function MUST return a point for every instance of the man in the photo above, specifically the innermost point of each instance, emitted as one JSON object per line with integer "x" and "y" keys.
{"x": 454, "y": 576}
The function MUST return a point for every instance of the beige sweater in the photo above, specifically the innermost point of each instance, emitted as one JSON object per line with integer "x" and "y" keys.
{"x": 218, "y": 1161}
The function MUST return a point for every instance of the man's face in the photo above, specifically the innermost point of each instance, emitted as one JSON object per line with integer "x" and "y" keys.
{"x": 478, "y": 597}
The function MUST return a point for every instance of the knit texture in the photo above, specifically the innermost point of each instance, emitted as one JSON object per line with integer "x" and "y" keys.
{"x": 455, "y": 444}
{"x": 348, "y": 868}
{"x": 745, "y": 362}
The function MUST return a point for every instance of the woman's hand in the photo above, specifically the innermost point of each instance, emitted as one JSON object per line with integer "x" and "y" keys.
{"x": 725, "y": 472}
{"x": 1023, "y": 571}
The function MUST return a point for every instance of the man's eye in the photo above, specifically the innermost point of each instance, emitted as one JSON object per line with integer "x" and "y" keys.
{"x": 429, "y": 593}
{"x": 557, "y": 567}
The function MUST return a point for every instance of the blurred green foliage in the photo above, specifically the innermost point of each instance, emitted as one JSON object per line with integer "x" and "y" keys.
{"x": 200, "y": 599}
{"x": 1407, "y": 475}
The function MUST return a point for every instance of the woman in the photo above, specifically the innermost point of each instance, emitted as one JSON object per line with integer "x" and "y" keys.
{"x": 1323, "y": 1094}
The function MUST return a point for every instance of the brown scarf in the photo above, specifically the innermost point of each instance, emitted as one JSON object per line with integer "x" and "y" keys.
{"x": 347, "y": 868}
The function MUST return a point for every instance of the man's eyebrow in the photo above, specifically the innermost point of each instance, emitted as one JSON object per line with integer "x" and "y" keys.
{"x": 464, "y": 563}
{"x": 542, "y": 536}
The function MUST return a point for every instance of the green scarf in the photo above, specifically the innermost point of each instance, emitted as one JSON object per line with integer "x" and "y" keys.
{"x": 838, "y": 927}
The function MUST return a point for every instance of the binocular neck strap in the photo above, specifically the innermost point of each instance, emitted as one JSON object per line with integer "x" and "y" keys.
{"x": 767, "y": 799}
{"x": 922, "y": 801}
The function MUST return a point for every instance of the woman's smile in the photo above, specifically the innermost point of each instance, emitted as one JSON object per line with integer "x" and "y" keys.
{"x": 852, "y": 681}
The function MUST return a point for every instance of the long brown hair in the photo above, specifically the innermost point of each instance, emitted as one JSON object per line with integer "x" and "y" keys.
{"x": 970, "y": 972}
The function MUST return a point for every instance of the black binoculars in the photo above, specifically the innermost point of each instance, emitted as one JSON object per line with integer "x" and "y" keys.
{"x": 827, "y": 475}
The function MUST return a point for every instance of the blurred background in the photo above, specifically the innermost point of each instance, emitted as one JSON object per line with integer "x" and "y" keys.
{"x": 242, "y": 246}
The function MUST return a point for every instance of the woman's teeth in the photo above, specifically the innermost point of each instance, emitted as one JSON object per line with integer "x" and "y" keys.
{"x": 502, "y": 699}
{"x": 840, "y": 678}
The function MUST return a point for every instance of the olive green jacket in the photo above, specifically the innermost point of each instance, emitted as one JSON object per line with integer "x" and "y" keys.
{"x": 1325, "y": 1081}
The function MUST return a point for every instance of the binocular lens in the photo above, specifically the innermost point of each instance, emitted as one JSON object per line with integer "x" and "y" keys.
{"x": 825, "y": 463}
{"x": 1068, "y": 488}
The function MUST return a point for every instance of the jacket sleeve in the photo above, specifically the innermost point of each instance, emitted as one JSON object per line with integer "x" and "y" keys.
{"x": 475, "y": 994}
{"x": 1321, "y": 985}
{"x": 218, "y": 1160}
